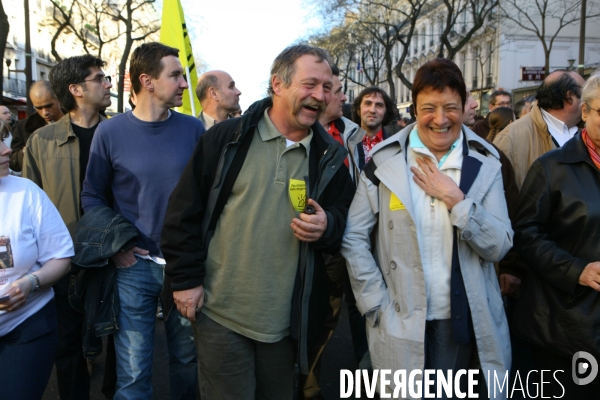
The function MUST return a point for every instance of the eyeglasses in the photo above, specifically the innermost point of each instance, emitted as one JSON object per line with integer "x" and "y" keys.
{"x": 504, "y": 104}
{"x": 100, "y": 79}
{"x": 597, "y": 110}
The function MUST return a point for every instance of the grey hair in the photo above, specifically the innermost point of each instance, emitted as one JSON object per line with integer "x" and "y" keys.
{"x": 591, "y": 89}
{"x": 283, "y": 66}
{"x": 208, "y": 81}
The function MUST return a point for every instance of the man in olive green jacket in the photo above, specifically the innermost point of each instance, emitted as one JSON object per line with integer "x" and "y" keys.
{"x": 52, "y": 161}
{"x": 55, "y": 159}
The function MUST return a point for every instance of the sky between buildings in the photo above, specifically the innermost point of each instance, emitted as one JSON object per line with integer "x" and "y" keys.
{"x": 242, "y": 37}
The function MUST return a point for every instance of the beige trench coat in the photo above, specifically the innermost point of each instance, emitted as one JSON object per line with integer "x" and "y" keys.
{"x": 395, "y": 283}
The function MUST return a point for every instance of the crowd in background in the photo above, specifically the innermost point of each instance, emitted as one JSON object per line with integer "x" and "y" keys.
{"x": 456, "y": 241}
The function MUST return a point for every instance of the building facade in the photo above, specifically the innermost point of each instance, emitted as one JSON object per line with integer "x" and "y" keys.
{"x": 44, "y": 20}
{"x": 494, "y": 58}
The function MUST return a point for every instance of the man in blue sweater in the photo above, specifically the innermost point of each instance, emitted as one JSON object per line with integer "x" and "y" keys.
{"x": 137, "y": 159}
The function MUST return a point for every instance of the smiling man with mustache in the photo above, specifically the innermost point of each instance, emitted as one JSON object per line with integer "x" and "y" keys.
{"x": 252, "y": 278}
{"x": 139, "y": 156}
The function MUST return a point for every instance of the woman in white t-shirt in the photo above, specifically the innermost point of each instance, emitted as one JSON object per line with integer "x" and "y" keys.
{"x": 35, "y": 251}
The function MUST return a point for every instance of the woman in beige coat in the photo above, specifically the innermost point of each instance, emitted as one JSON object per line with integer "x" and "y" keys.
{"x": 433, "y": 194}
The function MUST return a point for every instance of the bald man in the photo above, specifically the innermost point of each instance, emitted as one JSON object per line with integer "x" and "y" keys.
{"x": 218, "y": 97}
{"x": 48, "y": 111}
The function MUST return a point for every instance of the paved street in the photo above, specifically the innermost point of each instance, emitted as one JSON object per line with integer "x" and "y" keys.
{"x": 337, "y": 355}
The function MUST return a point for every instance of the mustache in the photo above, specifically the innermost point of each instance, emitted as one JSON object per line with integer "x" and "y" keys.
{"x": 320, "y": 105}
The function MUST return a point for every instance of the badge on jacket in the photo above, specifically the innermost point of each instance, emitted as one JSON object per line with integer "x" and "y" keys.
{"x": 395, "y": 203}
{"x": 297, "y": 190}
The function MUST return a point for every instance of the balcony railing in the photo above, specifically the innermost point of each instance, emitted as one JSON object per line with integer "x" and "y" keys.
{"x": 16, "y": 86}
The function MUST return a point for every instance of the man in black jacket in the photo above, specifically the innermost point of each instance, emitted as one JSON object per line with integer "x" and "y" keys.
{"x": 244, "y": 255}
{"x": 48, "y": 111}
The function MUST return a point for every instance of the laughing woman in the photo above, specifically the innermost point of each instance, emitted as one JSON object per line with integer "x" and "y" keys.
{"x": 435, "y": 204}
{"x": 35, "y": 251}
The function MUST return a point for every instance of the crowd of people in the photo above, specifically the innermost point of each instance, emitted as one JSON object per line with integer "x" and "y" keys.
{"x": 457, "y": 244}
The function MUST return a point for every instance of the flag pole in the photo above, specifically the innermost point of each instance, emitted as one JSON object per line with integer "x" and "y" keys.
{"x": 190, "y": 91}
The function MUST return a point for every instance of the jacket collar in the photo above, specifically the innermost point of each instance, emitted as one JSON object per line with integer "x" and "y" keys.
{"x": 389, "y": 157}
{"x": 574, "y": 151}
{"x": 538, "y": 120}
{"x": 354, "y": 133}
{"x": 339, "y": 125}
{"x": 64, "y": 130}
{"x": 472, "y": 139}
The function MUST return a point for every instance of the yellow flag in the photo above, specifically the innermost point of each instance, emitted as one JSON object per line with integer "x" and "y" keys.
{"x": 173, "y": 32}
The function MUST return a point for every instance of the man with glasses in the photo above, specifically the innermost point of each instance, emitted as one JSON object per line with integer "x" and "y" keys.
{"x": 499, "y": 98}
{"x": 56, "y": 158}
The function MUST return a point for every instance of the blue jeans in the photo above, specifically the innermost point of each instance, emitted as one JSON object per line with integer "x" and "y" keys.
{"x": 139, "y": 287}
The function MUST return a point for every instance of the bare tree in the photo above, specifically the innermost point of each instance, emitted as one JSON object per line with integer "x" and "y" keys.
{"x": 4, "y": 29}
{"x": 392, "y": 26}
{"x": 137, "y": 28}
{"x": 88, "y": 21}
{"x": 342, "y": 48}
{"x": 477, "y": 10}
{"x": 374, "y": 28}
{"x": 95, "y": 24}
{"x": 545, "y": 18}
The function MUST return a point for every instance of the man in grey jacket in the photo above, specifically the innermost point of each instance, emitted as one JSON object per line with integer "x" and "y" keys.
{"x": 346, "y": 132}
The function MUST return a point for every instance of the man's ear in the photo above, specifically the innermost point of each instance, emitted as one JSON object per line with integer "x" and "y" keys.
{"x": 76, "y": 90}
{"x": 146, "y": 81}
{"x": 214, "y": 94}
{"x": 276, "y": 84}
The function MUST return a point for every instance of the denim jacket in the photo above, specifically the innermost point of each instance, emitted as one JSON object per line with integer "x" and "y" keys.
{"x": 100, "y": 233}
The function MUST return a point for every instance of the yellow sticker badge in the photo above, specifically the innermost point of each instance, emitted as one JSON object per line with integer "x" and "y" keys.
{"x": 298, "y": 194}
{"x": 395, "y": 203}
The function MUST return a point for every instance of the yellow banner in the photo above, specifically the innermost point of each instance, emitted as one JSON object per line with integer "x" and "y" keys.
{"x": 173, "y": 32}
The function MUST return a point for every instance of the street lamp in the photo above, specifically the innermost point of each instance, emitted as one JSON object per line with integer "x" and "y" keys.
{"x": 8, "y": 62}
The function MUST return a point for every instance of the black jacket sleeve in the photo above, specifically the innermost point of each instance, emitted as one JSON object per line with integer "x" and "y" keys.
{"x": 19, "y": 140}
{"x": 336, "y": 201}
{"x": 512, "y": 263}
{"x": 181, "y": 241}
{"x": 545, "y": 257}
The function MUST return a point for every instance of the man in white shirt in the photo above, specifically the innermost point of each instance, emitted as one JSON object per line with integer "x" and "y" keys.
{"x": 549, "y": 125}
{"x": 218, "y": 96}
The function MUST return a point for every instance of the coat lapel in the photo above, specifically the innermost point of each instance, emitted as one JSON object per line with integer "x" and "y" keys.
{"x": 470, "y": 168}
{"x": 393, "y": 173}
